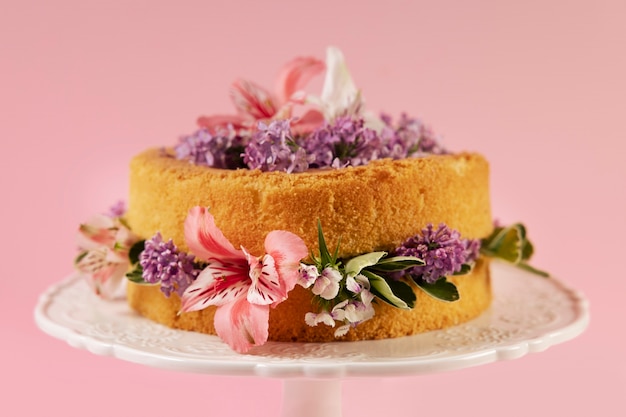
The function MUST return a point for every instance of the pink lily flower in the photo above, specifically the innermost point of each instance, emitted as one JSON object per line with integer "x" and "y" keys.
{"x": 104, "y": 243}
{"x": 254, "y": 103}
{"x": 242, "y": 286}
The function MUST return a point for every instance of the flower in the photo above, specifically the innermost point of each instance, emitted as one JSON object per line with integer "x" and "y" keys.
{"x": 327, "y": 284}
{"x": 273, "y": 148}
{"x": 163, "y": 263}
{"x": 104, "y": 243}
{"x": 221, "y": 149}
{"x": 340, "y": 97}
{"x": 308, "y": 275}
{"x": 254, "y": 103}
{"x": 242, "y": 286}
{"x": 349, "y": 312}
{"x": 117, "y": 210}
{"x": 345, "y": 141}
{"x": 407, "y": 137}
{"x": 442, "y": 249}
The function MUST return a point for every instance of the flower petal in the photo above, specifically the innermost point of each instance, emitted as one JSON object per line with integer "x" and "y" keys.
{"x": 206, "y": 241}
{"x": 287, "y": 249}
{"x": 100, "y": 230}
{"x": 252, "y": 100}
{"x": 295, "y": 75}
{"x": 308, "y": 122}
{"x": 215, "y": 122}
{"x": 217, "y": 284}
{"x": 266, "y": 287}
{"x": 339, "y": 94}
{"x": 242, "y": 325}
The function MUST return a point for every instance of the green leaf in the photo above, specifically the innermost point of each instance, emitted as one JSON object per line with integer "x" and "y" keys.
{"x": 527, "y": 250}
{"x": 135, "y": 251}
{"x": 506, "y": 244}
{"x": 442, "y": 289}
{"x": 136, "y": 275}
{"x": 325, "y": 258}
{"x": 397, "y": 263}
{"x": 356, "y": 264}
{"x": 465, "y": 269}
{"x": 396, "y": 293}
{"x": 80, "y": 257}
{"x": 533, "y": 270}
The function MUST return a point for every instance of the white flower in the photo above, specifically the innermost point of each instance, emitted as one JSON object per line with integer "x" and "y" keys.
{"x": 337, "y": 313}
{"x": 308, "y": 275}
{"x": 357, "y": 312}
{"x": 327, "y": 284}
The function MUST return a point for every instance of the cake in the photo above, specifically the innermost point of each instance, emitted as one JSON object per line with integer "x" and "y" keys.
{"x": 328, "y": 225}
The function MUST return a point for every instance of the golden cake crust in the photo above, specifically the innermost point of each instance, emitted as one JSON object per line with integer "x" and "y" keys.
{"x": 370, "y": 208}
{"x": 373, "y": 207}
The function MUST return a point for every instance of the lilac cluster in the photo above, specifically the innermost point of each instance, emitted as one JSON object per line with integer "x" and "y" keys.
{"x": 219, "y": 150}
{"x": 117, "y": 210}
{"x": 442, "y": 249}
{"x": 273, "y": 148}
{"x": 409, "y": 136}
{"x": 344, "y": 142}
{"x": 163, "y": 262}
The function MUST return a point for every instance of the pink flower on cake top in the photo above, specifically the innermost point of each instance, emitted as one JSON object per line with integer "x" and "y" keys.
{"x": 254, "y": 103}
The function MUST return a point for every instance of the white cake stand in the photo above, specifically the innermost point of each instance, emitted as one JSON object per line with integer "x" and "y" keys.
{"x": 528, "y": 314}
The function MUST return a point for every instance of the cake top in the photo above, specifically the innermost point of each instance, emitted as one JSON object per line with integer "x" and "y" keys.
{"x": 293, "y": 130}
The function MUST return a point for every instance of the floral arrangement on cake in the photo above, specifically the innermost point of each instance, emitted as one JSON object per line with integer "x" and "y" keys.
{"x": 293, "y": 131}
{"x": 290, "y": 131}
{"x": 244, "y": 286}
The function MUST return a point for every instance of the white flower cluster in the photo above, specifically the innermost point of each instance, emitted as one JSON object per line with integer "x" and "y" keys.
{"x": 348, "y": 312}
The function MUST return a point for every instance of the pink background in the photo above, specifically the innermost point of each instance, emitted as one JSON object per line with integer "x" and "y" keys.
{"x": 536, "y": 86}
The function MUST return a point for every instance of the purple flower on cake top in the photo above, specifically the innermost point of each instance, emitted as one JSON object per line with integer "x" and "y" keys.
{"x": 273, "y": 148}
{"x": 408, "y": 137}
{"x": 442, "y": 249}
{"x": 163, "y": 263}
{"x": 218, "y": 150}
{"x": 345, "y": 141}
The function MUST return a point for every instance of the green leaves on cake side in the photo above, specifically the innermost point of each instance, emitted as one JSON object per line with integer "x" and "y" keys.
{"x": 511, "y": 244}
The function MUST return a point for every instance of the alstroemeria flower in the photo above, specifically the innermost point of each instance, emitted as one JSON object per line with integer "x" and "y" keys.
{"x": 242, "y": 286}
{"x": 104, "y": 243}
{"x": 254, "y": 103}
{"x": 340, "y": 97}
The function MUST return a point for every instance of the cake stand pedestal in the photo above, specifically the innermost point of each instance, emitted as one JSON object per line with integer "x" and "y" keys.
{"x": 528, "y": 314}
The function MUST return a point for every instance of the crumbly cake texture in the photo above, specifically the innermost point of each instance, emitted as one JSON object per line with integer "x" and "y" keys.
{"x": 370, "y": 208}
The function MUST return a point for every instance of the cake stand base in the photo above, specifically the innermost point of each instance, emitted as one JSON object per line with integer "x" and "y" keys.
{"x": 311, "y": 398}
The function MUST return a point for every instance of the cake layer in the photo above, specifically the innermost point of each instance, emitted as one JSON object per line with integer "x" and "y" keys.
{"x": 287, "y": 319}
{"x": 370, "y": 208}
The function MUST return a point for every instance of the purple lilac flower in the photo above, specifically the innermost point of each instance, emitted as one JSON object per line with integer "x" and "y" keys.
{"x": 219, "y": 150}
{"x": 442, "y": 249}
{"x": 409, "y": 136}
{"x": 346, "y": 141}
{"x": 163, "y": 262}
{"x": 118, "y": 209}
{"x": 273, "y": 148}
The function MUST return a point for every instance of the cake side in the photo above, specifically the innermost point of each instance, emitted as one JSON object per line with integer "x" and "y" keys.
{"x": 373, "y": 207}
{"x": 286, "y": 323}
